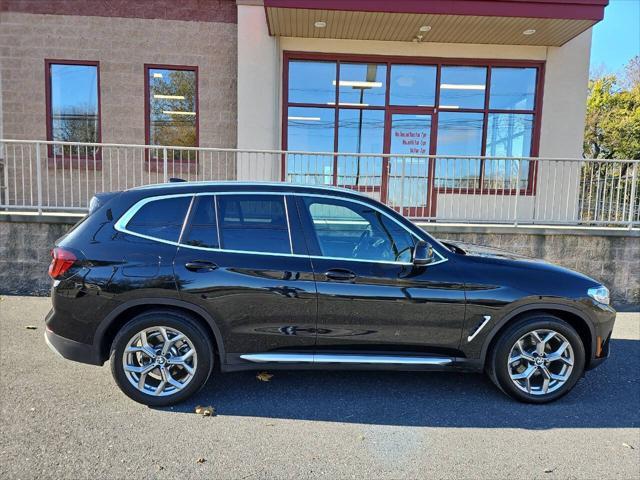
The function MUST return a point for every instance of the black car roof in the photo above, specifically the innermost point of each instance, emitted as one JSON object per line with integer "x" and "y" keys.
{"x": 198, "y": 187}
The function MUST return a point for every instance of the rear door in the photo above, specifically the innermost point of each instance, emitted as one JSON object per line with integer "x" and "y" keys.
{"x": 242, "y": 257}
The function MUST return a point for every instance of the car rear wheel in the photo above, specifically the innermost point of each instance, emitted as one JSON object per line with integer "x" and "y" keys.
{"x": 538, "y": 359}
{"x": 161, "y": 358}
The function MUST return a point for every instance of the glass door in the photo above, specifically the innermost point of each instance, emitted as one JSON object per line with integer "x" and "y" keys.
{"x": 409, "y": 175}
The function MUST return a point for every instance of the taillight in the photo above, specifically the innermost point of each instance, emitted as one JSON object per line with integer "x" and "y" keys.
{"x": 61, "y": 262}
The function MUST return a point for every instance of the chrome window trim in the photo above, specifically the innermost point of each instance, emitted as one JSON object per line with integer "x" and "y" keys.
{"x": 286, "y": 213}
{"x": 215, "y": 208}
{"x": 121, "y": 225}
{"x": 186, "y": 219}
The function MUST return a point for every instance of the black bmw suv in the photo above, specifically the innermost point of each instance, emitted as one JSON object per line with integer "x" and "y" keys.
{"x": 168, "y": 281}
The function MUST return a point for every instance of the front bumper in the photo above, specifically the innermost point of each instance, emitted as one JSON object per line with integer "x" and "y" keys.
{"x": 605, "y": 318}
{"x": 72, "y": 350}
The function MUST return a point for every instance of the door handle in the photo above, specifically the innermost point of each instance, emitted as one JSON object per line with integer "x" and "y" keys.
{"x": 340, "y": 274}
{"x": 200, "y": 266}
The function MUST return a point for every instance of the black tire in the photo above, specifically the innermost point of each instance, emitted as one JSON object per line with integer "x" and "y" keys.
{"x": 166, "y": 318}
{"x": 498, "y": 367}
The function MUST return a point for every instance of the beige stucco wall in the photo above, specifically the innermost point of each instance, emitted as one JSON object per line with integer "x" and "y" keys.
{"x": 122, "y": 46}
{"x": 565, "y": 91}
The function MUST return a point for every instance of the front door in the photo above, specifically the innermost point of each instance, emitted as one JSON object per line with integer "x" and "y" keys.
{"x": 371, "y": 298}
{"x": 409, "y": 182}
{"x": 247, "y": 266}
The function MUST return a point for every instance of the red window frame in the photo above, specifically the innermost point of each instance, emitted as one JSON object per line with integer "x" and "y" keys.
{"x": 155, "y": 162}
{"x": 90, "y": 162}
{"x": 390, "y": 60}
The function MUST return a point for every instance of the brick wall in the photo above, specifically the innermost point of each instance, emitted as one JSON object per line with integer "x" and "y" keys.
{"x": 122, "y": 46}
{"x": 609, "y": 258}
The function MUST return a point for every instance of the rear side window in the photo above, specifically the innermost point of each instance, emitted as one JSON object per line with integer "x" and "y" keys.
{"x": 203, "y": 228}
{"x": 256, "y": 223}
{"x": 161, "y": 219}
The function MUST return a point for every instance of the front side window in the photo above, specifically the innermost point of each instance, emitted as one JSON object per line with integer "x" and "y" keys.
{"x": 172, "y": 102}
{"x": 73, "y": 107}
{"x": 161, "y": 218}
{"x": 353, "y": 231}
{"x": 254, "y": 223}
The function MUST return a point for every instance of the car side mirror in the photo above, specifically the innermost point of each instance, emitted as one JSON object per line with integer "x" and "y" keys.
{"x": 422, "y": 253}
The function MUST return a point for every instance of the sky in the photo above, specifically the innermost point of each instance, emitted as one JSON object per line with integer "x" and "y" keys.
{"x": 616, "y": 39}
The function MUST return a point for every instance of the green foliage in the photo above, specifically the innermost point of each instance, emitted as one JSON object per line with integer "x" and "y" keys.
{"x": 612, "y": 127}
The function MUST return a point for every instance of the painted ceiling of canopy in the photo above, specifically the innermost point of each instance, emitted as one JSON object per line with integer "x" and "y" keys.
{"x": 502, "y": 22}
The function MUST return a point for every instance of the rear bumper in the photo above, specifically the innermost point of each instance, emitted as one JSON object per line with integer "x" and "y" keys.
{"x": 72, "y": 350}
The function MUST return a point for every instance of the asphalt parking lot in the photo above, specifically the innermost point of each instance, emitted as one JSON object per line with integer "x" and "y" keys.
{"x": 66, "y": 420}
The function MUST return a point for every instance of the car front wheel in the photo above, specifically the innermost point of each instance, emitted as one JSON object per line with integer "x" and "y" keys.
{"x": 161, "y": 358}
{"x": 538, "y": 359}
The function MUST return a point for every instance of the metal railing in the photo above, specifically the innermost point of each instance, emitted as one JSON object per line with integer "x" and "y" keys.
{"x": 63, "y": 176}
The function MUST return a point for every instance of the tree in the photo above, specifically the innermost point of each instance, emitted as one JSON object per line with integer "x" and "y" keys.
{"x": 612, "y": 131}
{"x": 612, "y": 128}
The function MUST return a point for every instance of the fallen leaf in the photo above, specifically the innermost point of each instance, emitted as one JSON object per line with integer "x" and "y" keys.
{"x": 628, "y": 446}
{"x": 201, "y": 460}
{"x": 549, "y": 470}
{"x": 361, "y": 437}
{"x": 270, "y": 424}
{"x": 206, "y": 411}
{"x": 264, "y": 376}
{"x": 31, "y": 327}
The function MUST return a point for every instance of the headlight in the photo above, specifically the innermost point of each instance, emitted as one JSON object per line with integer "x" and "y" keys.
{"x": 599, "y": 294}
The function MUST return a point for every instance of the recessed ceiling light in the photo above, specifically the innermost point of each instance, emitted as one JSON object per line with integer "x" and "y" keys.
{"x": 531, "y": 31}
{"x": 320, "y": 24}
{"x": 425, "y": 28}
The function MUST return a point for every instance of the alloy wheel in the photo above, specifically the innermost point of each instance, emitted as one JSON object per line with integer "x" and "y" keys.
{"x": 540, "y": 362}
{"x": 159, "y": 361}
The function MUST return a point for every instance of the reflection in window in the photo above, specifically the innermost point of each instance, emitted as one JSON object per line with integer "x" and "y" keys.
{"x": 413, "y": 85}
{"x": 512, "y": 88}
{"x": 508, "y": 135}
{"x": 462, "y": 87}
{"x": 161, "y": 218}
{"x": 348, "y": 230}
{"x": 310, "y": 130}
{"x": 74, "y": 106}
{"x": 360, "y": 131}
{"x": 362, "y": 84}
{"x": 459, "y": 134}
{"x": 312, "y": 82}
{"x": 173, "y": 115}
{"x": 256, "y": 223}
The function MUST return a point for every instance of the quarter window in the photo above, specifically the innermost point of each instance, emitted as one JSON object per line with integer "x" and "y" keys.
{"x": 255, "y": 223}
{"x": 161, "y": 219}
{"x": 353, "y": 231}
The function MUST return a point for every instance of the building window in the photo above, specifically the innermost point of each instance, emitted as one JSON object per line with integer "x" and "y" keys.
{"x": 172, "y": 110}
{"x": 73, "y": 107}
{"x": 418, "y": 107}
